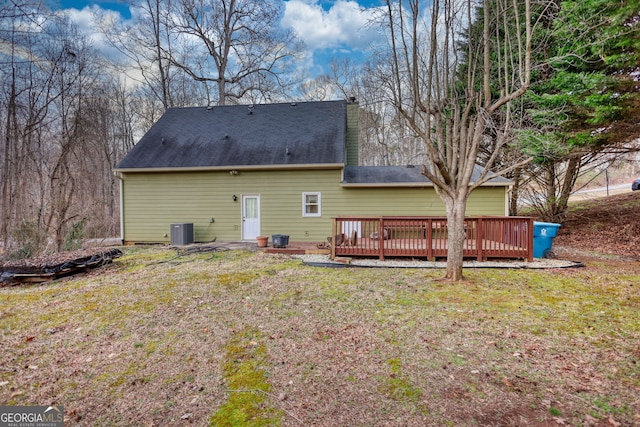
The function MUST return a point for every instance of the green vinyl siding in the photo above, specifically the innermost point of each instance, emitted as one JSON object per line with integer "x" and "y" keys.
{"x": 414, "y": 201}
{"x": 153, "y": 201}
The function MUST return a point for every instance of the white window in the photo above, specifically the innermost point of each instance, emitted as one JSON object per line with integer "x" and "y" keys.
{"x": 311, "y": 204}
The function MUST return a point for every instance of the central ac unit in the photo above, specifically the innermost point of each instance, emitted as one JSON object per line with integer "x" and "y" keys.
{"x": 182, "y": 233}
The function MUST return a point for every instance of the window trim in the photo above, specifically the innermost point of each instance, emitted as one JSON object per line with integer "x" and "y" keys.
{"x": 305, "y": 204}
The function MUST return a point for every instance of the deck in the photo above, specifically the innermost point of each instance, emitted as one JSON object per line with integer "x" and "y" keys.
{"x": 426, "y": 237}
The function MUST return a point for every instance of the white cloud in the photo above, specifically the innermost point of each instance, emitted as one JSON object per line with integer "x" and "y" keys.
{"x": 343, "y": 29}
{"x": 85, "y": 20}
{"x": 345, "y": 25}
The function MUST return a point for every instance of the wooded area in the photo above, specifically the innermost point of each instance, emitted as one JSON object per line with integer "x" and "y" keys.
{"x": 550, "y": 86}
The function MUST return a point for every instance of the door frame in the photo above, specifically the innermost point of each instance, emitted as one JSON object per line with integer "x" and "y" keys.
{"x": 243, "y": 197}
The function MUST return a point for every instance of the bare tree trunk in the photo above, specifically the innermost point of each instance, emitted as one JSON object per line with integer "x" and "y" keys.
{"x": 558, "y": 187}
{"x": 154, "y": 13}
{"x": 515, "y": 192}
{"x": 456, "y": 234}
{"x": 570, "y": 177}
{"x": 5, "y": 203}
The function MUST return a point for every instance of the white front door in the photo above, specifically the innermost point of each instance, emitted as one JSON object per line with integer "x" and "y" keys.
{"x": 250, "y": 217}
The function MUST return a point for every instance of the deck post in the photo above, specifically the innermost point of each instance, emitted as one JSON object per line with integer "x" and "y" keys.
{"x": 334, "y": 229}
{"x": 381, "y": 238}
{"x": 530, "y": 240}
{"x": 479, "y": 237}
{"x": 429, "y": 237}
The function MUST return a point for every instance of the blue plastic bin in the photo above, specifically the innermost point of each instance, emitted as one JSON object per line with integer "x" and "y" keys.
{"x": 543, "y": 234}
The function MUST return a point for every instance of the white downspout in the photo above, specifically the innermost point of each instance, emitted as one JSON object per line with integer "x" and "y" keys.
{"x": 120, "y": 178}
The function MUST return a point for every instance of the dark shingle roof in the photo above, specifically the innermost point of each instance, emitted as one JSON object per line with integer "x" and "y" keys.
{"x": 384, "y": 175}
{"x": 398, "y": 175}
{"x": 240, "y": 135}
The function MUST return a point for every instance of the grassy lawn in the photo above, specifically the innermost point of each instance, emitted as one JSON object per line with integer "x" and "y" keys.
{"x": 247, "y": 339}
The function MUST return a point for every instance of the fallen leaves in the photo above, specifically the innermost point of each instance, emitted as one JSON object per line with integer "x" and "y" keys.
{"x": 607, "y": 225}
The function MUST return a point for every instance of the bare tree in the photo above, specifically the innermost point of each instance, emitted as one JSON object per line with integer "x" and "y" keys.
{"x": 551, "y": 182}
{"x": 384, "y": 138}
{"x": 243, "y": 50}
{"x": 146, "y": 46}
{"x": 55, "y": 162}
{"x": 454, "y": 109}
{"x": 26, "y": 101}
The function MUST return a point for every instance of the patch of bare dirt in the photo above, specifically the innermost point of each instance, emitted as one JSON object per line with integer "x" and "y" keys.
{"x": 606, "y": 228}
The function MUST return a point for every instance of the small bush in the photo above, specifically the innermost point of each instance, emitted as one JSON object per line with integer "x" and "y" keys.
{"x": 30, "y": 240}
{"x": 75, "y": 235}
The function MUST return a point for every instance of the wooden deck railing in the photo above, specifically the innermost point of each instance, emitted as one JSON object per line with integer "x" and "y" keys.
{"x": 426, "y": 237}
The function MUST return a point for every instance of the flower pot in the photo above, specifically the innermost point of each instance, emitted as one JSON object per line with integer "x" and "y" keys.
{"x": 262, "y": 241}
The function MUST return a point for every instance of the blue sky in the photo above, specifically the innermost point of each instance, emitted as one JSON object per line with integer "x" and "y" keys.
{"x": 119, "y": 7}
{"x": 329, "y": 28}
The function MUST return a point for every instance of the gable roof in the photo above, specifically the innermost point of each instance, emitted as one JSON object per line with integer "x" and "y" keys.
{"x": 400, "y": 176}
{"x": 303, "y": 133}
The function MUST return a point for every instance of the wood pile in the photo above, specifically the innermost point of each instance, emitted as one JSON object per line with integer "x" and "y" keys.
{"x": 44, "y": 270}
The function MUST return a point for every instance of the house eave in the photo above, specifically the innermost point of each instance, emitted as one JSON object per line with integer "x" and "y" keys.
{"x": 411, "y": 184}
{"x": 228, "y": 168}
{"x": 497, "y": 184}
{"x": 385, "y": 184}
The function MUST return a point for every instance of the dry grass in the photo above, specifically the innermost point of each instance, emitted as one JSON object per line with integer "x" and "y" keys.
{"x": 244, "y": 338}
